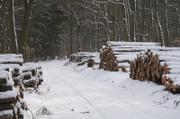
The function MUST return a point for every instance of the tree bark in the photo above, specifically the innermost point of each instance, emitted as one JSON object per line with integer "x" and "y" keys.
{"x": 114, "y": 23}
{"x": 166, "y": 26}
{"x": 14, "y": 42}
{"x": 159, "y": 26}
{"x": 25, "y": 26}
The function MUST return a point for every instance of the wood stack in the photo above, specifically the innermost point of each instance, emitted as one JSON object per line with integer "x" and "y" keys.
{"x": 11, "y": 59}
{"x": 122, "y": 53}
{"x": 31, "y": 75}
{"x": 149, "y": 67}
{"x": 108, "y": 60}
{"x": 80, "y": 57}
{"x": 171, "y": 85}
{"x": 40, "y": 74}
{"x": 10, "y": 100}
{"x": 162, "y": 68}
{"x": 146, "y": 67}
{"x": 171, "y": 78}
{"x": 171, "y": 82}
{"x": 11, "y": 85}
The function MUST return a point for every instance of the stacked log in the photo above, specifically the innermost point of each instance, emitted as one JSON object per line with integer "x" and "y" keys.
{"x": 80, "y": 57}
{"x": 171, "y": 83}
{"x": 175, "y": 88}
{"x": 40, "y": 74}
{"x": 10, "y": 107}
{"x": 108, "y": 60}
{"x": 12, "y": 87}
{"x": 32, "y": 75}
{"x": 147, "y": 67}
{"x": 11, "y": 59}
{"x": 75, "y": 58}
{"x": 28, "y": 80}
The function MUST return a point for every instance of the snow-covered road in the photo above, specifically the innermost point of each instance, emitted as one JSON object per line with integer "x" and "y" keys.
{"x": 71, "y": 92}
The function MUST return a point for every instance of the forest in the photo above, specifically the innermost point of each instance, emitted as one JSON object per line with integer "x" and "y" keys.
{"x": 48, "y": 29}
{"x": 89, "y": 59}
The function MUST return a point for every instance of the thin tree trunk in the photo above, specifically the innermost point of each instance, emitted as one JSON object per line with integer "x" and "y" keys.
{"x": 134, "y": 21}
{"x": 151, "y": 20}
{"x": 71, "y": 35}
{"x": 166, "y": 26}
{"x": 25, "y": 26}
{"x": 14, "y": 43}
{"x": 159, "y": 26}
{"x": 143, "y": 20}
{"x": 107, "y": 24}
{"x": 127, "y": 20}
{"x": 114, "y": 23}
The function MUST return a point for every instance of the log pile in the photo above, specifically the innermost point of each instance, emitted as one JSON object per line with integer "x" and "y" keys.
{"x": 162, "y": 67}
{"x": 116, "y": 55}
{"x": 12, "y": 86}
{"x": 108, "y": 60}
{"x": 32, "y": 75}
{"x": 11, "y": 59}
{"x": 171, "y": 83}
{"x": 80, "y": 57}
{"x": 40, "y": 74}
{"x": 29, "y": 81}
{"x": 147, "y": 67}
{"x": 10, "y": 99}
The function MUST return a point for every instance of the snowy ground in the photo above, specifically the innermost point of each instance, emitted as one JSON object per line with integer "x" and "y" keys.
{"x": 71, "y": 92}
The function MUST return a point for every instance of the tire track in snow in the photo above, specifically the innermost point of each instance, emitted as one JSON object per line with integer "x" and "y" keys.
{"x": 133, "y": 106}
{"x": 80, "y": 95}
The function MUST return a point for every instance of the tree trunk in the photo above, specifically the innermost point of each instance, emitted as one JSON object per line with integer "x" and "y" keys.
{"x": 125, "y": 5}
{"x": 143, "y": 20}
{"x": 25, "y": 26}
{"x": 166, "y": 26}
{"x": 14, "y": 43}
{"x": 71, "y": 35}
{"x": 114, "y": 23}
{"x": 159, "y": 26}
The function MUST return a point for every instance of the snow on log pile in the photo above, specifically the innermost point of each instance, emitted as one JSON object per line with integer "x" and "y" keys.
{"x": 11, "y": 59}
{"x": 171, "y": 80}
{"x": 12, "y": 71}
{"x": 83, "y": 57}
{"x": 31, "y": 75}
{"x": 120, "y": 53}
{"x": 10, "y": 100}
{"x": 80, "y": 57}
{"x": 144, "y": 61}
